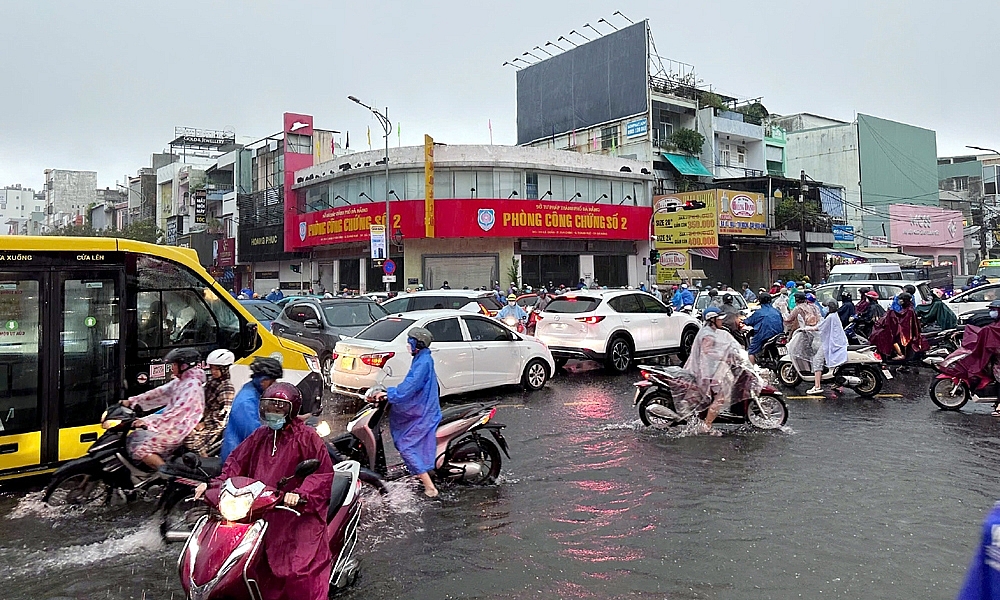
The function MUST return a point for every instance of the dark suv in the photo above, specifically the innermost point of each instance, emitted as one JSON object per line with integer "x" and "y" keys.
{"x": 322, "y": 322}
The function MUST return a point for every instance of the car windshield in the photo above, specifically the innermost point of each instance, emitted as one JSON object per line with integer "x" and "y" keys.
{"x": 489, "y": 303}
{"x": 988, "y": 272}
{"x": 263, "y": 312}
{"x": 353, "y": 314}
{"x": 385, "y": 330}
{"x": 573, "y": 304}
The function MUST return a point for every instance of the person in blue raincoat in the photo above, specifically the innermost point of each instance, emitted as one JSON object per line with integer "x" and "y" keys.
{"x": 244, "y": 416}
{"x": 415, "y": 411}
{"x": 982, "y": 581}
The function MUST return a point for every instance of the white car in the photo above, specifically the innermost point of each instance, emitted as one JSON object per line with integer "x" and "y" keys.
{"x": 701, "y": 302}
{"x": 613, "y": 326}
{"x": 469, "y": 300}
{"x": 975, "y": 299}
{"x": 471, "y": 352}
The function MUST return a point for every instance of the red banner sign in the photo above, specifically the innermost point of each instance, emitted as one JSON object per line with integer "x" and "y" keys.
{"x": 226, "y": 254}
{"x": 477, "y": 218}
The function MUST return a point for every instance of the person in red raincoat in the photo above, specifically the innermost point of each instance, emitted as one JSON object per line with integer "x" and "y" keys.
{"x": 296, "y": 548}
{"x": 897, "y": 334}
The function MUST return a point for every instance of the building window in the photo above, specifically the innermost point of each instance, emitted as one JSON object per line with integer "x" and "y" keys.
{"x": 531, "y": 186}
{"x": 961, "y": 184}
{"x": 741, "y": 156}
{"x": 299, "y": 144}
{"x": 609, "y": 137}
{"x": 725, "y": 154}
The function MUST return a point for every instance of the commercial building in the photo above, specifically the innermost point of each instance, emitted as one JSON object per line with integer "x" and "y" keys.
{"x": 968, "y": 184}
{"x": 68, "y": 196}
{"x": 110, "y": 209}
{"x": 21, "y": 210}
{"x": 494, "y": 214}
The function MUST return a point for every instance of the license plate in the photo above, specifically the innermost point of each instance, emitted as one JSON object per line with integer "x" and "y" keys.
{"x": 887, "y": 374}
{"x": 347, "y": 363}
{"x": 782, "y": 351}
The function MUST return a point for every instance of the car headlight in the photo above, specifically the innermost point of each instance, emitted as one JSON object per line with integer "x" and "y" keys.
{"x": 313, "y": 363}
{"x": 234, "y": 508}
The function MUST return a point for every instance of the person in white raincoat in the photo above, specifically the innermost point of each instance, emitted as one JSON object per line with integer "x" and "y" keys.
{"x": 833, "y": 339}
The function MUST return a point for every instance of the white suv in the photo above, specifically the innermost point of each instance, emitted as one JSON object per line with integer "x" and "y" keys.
{"x": 613, "y": 326}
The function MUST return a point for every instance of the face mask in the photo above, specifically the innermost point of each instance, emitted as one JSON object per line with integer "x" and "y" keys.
{"x": 994, "y": 314}
{"x": 274, "y": 420}
{"x": 511, "y": 303}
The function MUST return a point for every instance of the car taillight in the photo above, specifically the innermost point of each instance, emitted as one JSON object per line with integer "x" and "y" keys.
{"x": 645, "y": 374}
{"x": 591, "y": 320}
{"x": 493, "y": 412}
{"x": 377, "y": 360}
{"x": 484, "y": 310}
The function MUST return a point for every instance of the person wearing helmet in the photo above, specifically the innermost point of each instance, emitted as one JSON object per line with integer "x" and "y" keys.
{"x": 244, "y": 418}
{"x": 713, "y": 354}
{"x": 416, "y": 411}
{"x": 805, "y": 347}
{"x": 513, "y": 310}
{"x": 766, "y": 322}
{"x": 682, "y": 297}
{"x": 298, "y": 556}
{"x": 219, "y": 392}
{"x": 183, "y": 401}
{"x": 907, "y": 289}
{"x": 748, "y": 294}
{"x": 846, "y": 310}
{"x": 897, "y": 334}
{"x": 937, "y": 314}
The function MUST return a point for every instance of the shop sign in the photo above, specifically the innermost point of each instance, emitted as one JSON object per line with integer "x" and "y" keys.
{"x": 742, "y": 213}
{"x": 636, "y": 128}
{"x": 925, "y": 226}
{"x": 428, "y": 186}
{"x": 200, "y": 207}
{"x": 878, "y": 241}
{"x": 377, "y": 235}
{"x": 782, "y": 259}
{"x": 670, "y": 262}
{"x": 686, "y": 220}
{"x": 226, "y": 254}
{"x": 843, "y": 236}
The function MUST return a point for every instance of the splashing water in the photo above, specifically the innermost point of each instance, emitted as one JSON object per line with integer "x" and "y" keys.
{"x": 145, "y": 538}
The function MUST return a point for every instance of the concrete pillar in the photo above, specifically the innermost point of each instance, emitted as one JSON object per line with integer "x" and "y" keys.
{"x": 635, "y": 275}
{"x": 586, "y": 268}
{"x": 364, "y": 276}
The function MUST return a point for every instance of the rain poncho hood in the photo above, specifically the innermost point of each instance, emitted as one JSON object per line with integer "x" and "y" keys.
{"x": 415, "y": 413}
{"x": 244, "y": 418}
{"x": 937, "y": 313}
{"x": 973, "y": 361}
{"x": 296, "y": 547}
{"x": 898, "y": 327}
{"x": 834, "y": 341}
{"x": 717, "y": 367}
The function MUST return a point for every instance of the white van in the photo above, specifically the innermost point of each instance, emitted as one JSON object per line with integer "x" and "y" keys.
{"x": 886, "y": 271}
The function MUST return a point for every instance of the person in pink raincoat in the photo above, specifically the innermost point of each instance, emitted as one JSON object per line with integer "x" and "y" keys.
{"x": 296, "y": 547}
{"x": 158, "y": 435}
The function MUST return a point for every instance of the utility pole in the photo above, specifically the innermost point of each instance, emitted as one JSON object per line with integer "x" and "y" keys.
{"x": 803, "y": 188}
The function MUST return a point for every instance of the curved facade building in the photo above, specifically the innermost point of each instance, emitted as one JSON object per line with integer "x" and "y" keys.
{"x": 552, "y": 215}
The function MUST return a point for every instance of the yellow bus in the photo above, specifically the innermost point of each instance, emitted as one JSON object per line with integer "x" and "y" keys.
{"x": 85, "y": 322}
{"x": 989, "y": 269}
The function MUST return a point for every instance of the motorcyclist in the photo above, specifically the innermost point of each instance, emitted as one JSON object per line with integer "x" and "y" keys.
{"x": 297, "y": 549}
{"x": 219, "y": 392}
{"x": 792, "y": 291}
{"x": 682, "y": 297}
{"x": 748, "y": 294}
{"x": 731, "y": 315}
{"x": 158, "y": 435}
{"x": 543, "y": 301}
{"x": 416, "y": 411}
{"x": 715, "y": 361}
{"x": 847, "y": 310}
{"x": 907, "y": 289}
{"x": 244, "y": 418}
{"x": 937, "y": 313}
{"x": 713, "y": 298}
{"x": 766, "y": 322}
{"x": 805, "y": 348}
{"x": 513, "y": 310}
{"x": 897, "y": 334}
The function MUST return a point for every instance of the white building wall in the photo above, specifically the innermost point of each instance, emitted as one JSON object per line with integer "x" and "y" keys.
{"x": 830, "y": 155}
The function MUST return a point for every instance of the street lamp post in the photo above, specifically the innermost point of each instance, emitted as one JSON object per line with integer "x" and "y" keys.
{"x": 383, "y": 120}
{"x": 983, "y": 252}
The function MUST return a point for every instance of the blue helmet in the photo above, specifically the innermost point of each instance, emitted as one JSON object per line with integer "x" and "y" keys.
{"x": 710, "y": 312}
{"x": 790, "y": 285}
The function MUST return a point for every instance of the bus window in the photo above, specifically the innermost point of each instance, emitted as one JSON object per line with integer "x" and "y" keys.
{"x": 19, "y": 353}
{"x": 89, "y": 347}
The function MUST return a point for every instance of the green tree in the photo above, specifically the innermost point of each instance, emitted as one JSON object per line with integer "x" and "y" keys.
{"x": 688, "y": 141}
{"x": 714, "y": 100}
{"x": 512, "y": 270}
{"x": 143, "y": 231}
{"x": 788, "y": 214}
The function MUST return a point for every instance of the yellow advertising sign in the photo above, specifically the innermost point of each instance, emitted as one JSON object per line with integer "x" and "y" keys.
{"x": 741, "y": 213}
{"x": 670, "y": 262}
{"x": 686, "y": 220}
{"x": 428, "y": 186}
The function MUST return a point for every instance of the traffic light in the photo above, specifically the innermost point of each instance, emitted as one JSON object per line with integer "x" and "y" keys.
{"x": 654, "y": 256}
{"x": 295, "y": 268}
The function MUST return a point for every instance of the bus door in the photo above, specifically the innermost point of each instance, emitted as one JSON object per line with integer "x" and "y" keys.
{"x": 88, "y": 357}
{"x": 23, "y": 299}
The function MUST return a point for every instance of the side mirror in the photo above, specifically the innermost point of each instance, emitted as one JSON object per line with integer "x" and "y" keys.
{"x": 311, "y": 324}
{"x": 191, "y": 460}
{"x": 670, "y": 311}
{"x": 307, "y": 467}
{"x": 251, "y": 341}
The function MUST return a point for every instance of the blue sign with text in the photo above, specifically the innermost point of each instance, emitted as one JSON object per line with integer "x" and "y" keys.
{"x": 636, "y": 128}
{"x": 843, "y": 233}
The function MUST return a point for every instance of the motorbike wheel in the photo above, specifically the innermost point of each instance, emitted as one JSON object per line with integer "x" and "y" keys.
{"x": 947, "y": 395}
{"x": 180, "y": 519}
{"x": 871, "y": 381}
{"x": 649, "y": 419}
{"x": 771, "y": 414}
{"x": 478, "y": 450}
{"x": 77, "y": 489}
{"x": 787, "y": 374}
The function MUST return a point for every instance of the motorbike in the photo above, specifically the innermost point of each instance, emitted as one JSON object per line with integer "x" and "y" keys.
{"x": 943, "y": 342}
{"x": 654, "y": 396}
{"x": 106, "y": 468}
{"x": 863, "y": 372}
{"x": 953, "y": 388}
{"x": 220, "y": 558}
{"x": 463, "y": 454}
{"x": 514, "y": 324}
{"x": 771, "y": 351}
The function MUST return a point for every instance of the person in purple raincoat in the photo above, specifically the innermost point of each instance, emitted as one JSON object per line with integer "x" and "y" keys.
{"x": 415, "y": 411}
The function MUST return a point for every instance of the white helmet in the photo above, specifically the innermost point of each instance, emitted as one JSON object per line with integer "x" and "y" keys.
{"x": 220, "y": 358}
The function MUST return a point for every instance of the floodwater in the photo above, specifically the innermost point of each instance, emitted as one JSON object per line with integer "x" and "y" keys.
{"x": 857, "y": 498}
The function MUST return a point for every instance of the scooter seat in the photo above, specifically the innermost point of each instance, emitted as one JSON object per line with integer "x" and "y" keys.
{"x": 456, "y": 413}
{"x": 338, "y": 492}
{"x": 856, "y": 347}
{"x": 210, "y": 466}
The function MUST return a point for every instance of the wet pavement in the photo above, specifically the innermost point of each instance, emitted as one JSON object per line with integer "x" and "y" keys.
{"x": 878, "y": 498}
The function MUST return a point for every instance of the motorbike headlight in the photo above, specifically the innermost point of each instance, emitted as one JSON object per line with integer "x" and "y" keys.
{"x": 111, "y": 423}
{"x": 323, "y": 429}
{"x": 313, "y": 363}
{"x": 235, "y": 508}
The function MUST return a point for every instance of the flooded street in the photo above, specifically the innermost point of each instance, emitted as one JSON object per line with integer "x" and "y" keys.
{"x": 857, "y": 499}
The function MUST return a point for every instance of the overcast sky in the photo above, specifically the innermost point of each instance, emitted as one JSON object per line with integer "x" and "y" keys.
{"x": 100, "y": 85}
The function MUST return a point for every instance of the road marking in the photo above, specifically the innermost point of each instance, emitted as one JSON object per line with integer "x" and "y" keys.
{"x": 805, "y": 397}
{"x": 510, "y": 406}
{"x": 888, "y": 395}
{"x": 577, "y": 403}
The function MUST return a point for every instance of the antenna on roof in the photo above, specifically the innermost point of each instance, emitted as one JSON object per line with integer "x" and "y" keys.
{"x": 619, "y": 13}
{"x": 605, "y": 21}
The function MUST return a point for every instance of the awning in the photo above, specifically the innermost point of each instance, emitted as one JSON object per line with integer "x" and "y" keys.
{"x": 901, "y": 259}
{"x": 845, "y": 253}
{"x": 687, "y": 165}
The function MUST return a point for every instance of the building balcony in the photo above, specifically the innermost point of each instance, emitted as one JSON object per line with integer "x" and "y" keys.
{"x": 732, "y": 127}
{"x": 733, "y": 172}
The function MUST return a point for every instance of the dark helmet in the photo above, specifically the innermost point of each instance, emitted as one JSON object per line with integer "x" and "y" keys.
{"x": 267, "y": 367}
{"x": 800, "y": 297}
{"x": 727, "y": 299}
{"x": 283, "y": 397}
{"x": 712, "y": 293}
{"x": 831, "y": 305}
{"x": 905, "y": 299}
{"x": 764, "y": 298}
{"x": 995, "y": 304}
{"x": 422, "y": 337}
{"x": 909, "y": 289}
{"x": 185, "y": 357}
